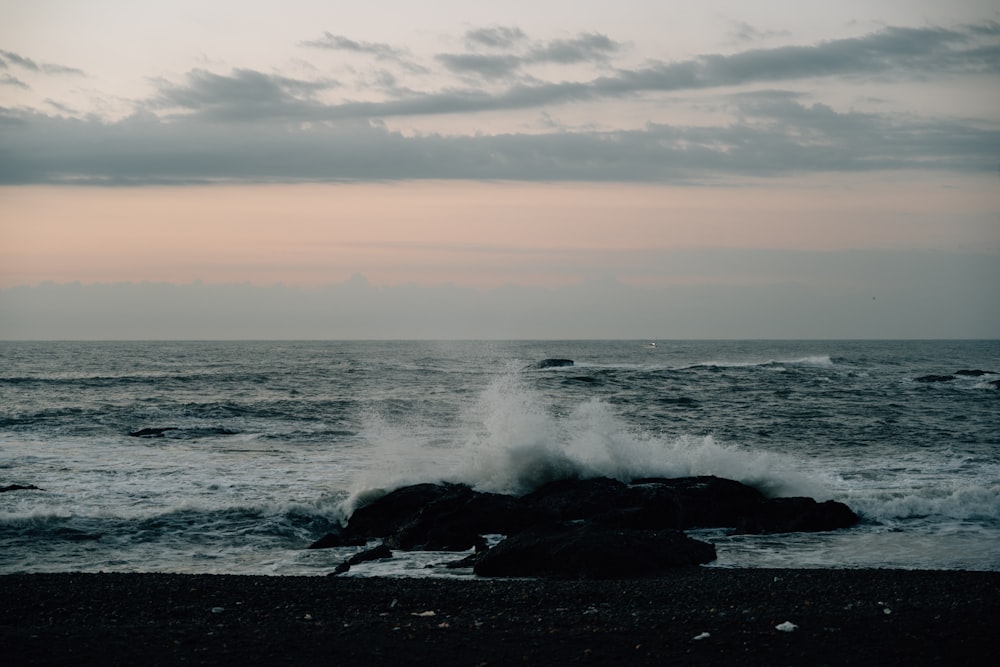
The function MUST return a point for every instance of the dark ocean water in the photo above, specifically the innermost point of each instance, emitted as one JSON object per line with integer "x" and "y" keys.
{"x": 269, "y": 442}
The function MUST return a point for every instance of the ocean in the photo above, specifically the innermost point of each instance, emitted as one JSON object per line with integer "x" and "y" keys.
{"x": 264, "y": 446}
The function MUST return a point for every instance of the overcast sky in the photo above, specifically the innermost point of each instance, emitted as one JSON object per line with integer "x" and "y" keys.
{"x": 640, "y": 169}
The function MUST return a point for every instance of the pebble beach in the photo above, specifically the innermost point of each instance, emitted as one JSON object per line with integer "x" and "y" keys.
{"x": 698, "y": 616}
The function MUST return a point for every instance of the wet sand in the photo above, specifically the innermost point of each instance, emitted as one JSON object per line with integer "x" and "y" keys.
{"x": 699, "y": 616}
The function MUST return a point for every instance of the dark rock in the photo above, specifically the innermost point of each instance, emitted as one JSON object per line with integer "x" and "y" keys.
{"x": 572, "y": 499}
{"x": 586, "y": 551}
{"x": 337, "y": 539}
{"x": 376, "y": 553}
{"x": 994, "y": 383}
{"x": 453, "y": 517}
{"x": 699, "y": 502}
{"x": 934, "y": 378}
{"x": 795, "y": 515}
{"x": 152, "y": 432}
{"x": 974, "y": 373}
{"x": 455, "y": 522}
{"x": 468, "y": 561}
{"x": 653, "y": 503}
{"x": 438, "y": 517}
{"x": 19, "y": 487}
{"x": 387, "y": 514}
{"x": 552, "y": 363}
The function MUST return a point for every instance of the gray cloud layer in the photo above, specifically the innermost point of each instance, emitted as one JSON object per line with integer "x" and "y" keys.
{"x": 777, "y": 134}
{"x": 257, "y": 127}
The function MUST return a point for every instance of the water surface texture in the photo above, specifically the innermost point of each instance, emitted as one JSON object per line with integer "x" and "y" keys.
{"x": 263, "y": 446}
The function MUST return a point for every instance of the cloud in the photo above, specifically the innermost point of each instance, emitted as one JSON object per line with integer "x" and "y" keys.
{"x": 907, "y": 54}
{"x": 240, "y": 95}
{"x": 744, "y": 32}
{"x": 10, "y": 80}
{"x": 252, "y": 126}
{"x": 497, "y": 37}
{"x": 775, "y": 133}
{"x": 32, "y": 66}
{"x": 333, "y": 42}
{"x": 489, "y": 66}
{"x": 584, "y": 48}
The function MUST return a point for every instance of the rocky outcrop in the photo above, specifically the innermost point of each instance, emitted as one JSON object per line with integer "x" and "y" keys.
{"x": 587, "y": 551}
{"x": 441, "y": 517}
{"x": 581, "y": 521}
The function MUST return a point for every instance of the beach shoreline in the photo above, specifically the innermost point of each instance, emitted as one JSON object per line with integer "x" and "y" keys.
{"x": 688, "y": 616}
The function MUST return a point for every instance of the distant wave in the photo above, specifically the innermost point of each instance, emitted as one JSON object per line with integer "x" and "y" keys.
{"x": 822, "y": 361}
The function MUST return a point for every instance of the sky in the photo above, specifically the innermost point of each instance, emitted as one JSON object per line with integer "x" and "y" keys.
{"x": 639, "y": 169}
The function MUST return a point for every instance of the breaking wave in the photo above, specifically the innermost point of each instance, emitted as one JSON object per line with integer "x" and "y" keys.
{"x": 511, "y": 442}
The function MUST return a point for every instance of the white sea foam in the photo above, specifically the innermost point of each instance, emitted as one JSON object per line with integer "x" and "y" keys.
{"x": 821, "y": 361}
{"x": 966, "y": 502}
{"x": 511, "y": 442}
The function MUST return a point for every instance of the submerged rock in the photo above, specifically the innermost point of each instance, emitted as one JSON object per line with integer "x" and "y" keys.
{"x": 152, "y": 432}
{"x": 552, "y": 363}
{"x": 19, "y": 487}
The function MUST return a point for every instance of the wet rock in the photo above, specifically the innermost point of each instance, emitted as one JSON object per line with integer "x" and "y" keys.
{"x": 456, "y": 520}
{"x": 797, "y": 515}
{"x": 974, "y": 373}
{"x": 452, "y": 517}
{"x": 704, "y": 501}
{"x": 376, "y": 553}
{"x": 587, "y": 551}
{"x": 573, "y": 499}
{"x": 387, "y": 514}
{"x": 337, "y": 539}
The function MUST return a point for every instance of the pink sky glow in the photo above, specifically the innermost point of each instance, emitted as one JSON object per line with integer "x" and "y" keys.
{"x": 466, "y": 233}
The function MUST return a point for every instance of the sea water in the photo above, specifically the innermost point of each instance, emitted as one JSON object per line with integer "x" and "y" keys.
{"x": 268, "y": 445}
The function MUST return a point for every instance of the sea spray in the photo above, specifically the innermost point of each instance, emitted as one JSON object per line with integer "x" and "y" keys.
{"x": 512, "y": 441}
